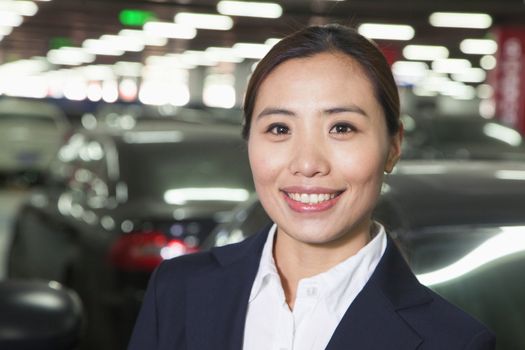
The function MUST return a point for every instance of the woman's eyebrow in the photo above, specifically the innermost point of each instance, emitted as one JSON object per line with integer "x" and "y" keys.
{"x": 346, "y": 109}
{"x": 274, "y": 110}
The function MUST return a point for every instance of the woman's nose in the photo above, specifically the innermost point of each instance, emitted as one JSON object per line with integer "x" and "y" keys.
{"x": 309, "y": 160}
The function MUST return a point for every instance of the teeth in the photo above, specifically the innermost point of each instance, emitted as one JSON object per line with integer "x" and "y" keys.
{"x": 312, "y": 198}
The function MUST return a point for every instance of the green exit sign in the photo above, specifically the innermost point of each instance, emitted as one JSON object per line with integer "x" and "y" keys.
{"x": 135, "y": 18}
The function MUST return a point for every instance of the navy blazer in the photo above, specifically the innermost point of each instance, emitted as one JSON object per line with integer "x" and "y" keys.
{"x": 199, "y": 302}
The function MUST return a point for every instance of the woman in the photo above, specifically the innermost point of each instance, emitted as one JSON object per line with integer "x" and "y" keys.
{"x": 322, "y": 125}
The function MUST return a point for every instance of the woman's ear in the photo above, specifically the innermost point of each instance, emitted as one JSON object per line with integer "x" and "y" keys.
{"x": 394, "y": 152}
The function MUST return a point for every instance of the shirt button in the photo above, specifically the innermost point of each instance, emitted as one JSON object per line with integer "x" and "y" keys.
{"x": 311, "y": 291}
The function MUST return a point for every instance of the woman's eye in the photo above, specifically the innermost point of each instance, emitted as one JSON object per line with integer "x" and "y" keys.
{"x": 278, "y": 129}
{"x": 342, "y": 129}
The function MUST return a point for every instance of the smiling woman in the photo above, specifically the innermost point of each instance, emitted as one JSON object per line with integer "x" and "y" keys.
{"x": 322, "y": 125}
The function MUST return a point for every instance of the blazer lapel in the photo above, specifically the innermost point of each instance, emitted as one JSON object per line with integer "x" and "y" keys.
{"x": 218, "y": 297}
{"x": 374, "y": 320}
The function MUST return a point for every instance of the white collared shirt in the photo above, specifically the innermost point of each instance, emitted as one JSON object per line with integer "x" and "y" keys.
{"x": 321, "y": 300}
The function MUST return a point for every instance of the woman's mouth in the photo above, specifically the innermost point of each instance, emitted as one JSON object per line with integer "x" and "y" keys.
{"x": 311, "y": 198}
{"x": 311, "y": 201}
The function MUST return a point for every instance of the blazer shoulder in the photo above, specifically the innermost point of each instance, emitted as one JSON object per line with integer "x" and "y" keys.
{"x": 447, "y": 325}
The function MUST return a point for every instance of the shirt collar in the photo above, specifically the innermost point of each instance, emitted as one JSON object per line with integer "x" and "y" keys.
{"x": 335, "y": 281}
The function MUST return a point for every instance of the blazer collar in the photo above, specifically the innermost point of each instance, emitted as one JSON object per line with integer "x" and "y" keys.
{"x": 218, "y": 296}
{"x": 218, "y": 301}
{"x": 374, "y": 321}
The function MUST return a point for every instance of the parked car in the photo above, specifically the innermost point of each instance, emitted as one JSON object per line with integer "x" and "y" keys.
{"x": 461, "y": 227}
{"x": 116, "y": 203}
{"x": 39, "y": 315}
{"x": 31, "y": 132}
{"x": 465, "y": 137}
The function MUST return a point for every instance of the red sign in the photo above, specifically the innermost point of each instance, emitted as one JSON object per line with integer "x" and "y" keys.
{"x": 508, "y": 78}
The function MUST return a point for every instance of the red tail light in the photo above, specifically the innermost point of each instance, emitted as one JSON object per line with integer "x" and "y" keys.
{"x": 143, "y": 251}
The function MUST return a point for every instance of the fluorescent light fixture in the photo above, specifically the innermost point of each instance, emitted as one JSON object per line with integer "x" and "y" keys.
{"x": 460, "y": 20}
{"x": 503, "y": 133}
{"x": 70, "y": 56}
{"x": 386, "y": 31}
{"x": 272, "y": 41}
{"x": 128, "y": 69}
{"x": 478, "y": 46}
{"x": 450, "y": 65}
{"x": 153, "y": 136}
{"x": 485, "y": 91}
{"x": 223, "y": 54}
{"x": 423, "y": 91}
{"x": 10, "y": 19}
{"x": 4, "y": 30}
{"x": 123, "y": 43}
{"x": 425, "y": 52}
{"x": 101, "y": 47}
{"x": 23, "y": 8}
{"x": 143, "y": 37}
{"x": 510, "y": 175}
{"x": 250, "y": 50}
{"x": 170, "y": 30}
{"x": 409, "y": 72}
{"x": 250, "y": 9}
{"x": 97, "y": 72}
{"x": 458, "y": 90}
{"x": 204, "y": 21}
{"x": 470, "y": 75}
{"x": 199, "y": 58}
{"x": 183, "y": 195}
{"x": 511, "y": 240}
{"x": 488, "y": 62}
{"x": 409, "y": 67}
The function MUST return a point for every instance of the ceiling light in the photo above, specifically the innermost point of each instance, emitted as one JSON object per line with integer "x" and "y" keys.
{"x": 223, "y": 54}
{"x": 100, "y": 47}
{"x": 199, "y": 58}
{"x": 145, "y": 38}
{"x": 488, "y": 62}
{"x": 409, "y": 72}
{"x": 470, "y": 75}
{"x": 5, "y": 30}
{"x": 478, "y": 46}
{"x": 250, "y": 9}
{"x": 123, "y": 43}
{"x": 272, "y": 41}
{"x": 128, "y": 69}
{"x": 424, "y": 52}
{"x": 10, "y": 19}
{"x": 450, "y": 65}
{"x": 460, "y": 20}
{"x": 204, "y": 21}
{"x": 386, "y": 31}
{"x": 170, "y": 30}
{"x": 249, "y": 50}
{"x": 70, "y": 56}
{"x": 23, "y": 8}
{"x": 458, "y": 90}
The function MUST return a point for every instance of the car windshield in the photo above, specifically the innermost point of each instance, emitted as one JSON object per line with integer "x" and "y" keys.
{"x": 464, "y": 137}
{"x": 151, "y": 169}
{"x": 480, "y": 269}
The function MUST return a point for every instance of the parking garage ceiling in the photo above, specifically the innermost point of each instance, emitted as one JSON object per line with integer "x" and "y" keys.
{"x": 71, "y": 22}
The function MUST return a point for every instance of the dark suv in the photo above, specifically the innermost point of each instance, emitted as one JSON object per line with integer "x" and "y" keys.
{"x": 116, "y": 203}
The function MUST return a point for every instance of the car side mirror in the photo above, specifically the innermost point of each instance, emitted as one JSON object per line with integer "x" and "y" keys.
{"x": 38, "y": 315}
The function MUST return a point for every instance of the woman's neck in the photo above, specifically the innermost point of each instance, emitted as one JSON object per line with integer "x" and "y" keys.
{"x": 297, "y": 260}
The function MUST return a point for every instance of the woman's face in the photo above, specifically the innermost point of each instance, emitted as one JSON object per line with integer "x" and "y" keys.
{"x": 318, "y": 148}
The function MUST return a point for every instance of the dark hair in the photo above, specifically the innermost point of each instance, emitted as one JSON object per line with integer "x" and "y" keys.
{"x": 329, "y": 38}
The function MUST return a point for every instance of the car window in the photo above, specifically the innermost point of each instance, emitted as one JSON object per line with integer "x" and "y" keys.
{"x": 151, "y": 169}
{"x": 479, "y": 269}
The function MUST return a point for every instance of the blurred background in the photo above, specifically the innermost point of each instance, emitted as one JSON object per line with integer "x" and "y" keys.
{"x": 120, "y": 146}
